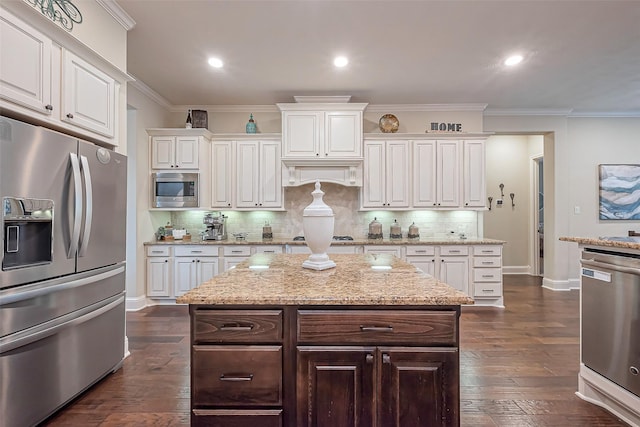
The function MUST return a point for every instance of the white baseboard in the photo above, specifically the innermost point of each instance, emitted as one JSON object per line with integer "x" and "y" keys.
{"x": 557, "y": 285}
{"x": 516, "y": 269}
{"x": 137, "y": 303}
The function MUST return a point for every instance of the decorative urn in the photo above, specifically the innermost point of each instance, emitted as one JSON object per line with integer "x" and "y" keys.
{"x": 317, "y": 224}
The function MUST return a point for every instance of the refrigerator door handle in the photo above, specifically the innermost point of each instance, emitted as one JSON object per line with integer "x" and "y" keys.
{"x": 77, "y": 214}
{"x": 8, "y": 343}
{"x": 89, "y": 206}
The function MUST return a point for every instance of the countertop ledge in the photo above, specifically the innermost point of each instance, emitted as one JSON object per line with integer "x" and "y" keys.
{"x": 599, "y": 242}
{"x": 355, "y": 242}
{"x": 352, "y": 282}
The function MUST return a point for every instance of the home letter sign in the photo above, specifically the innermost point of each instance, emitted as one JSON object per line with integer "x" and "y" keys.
{"x": 446, "y": 127}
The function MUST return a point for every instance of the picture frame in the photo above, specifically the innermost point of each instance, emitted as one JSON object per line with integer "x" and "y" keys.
{"x": 619, "y": 192}
{"x": 200, "y": 119}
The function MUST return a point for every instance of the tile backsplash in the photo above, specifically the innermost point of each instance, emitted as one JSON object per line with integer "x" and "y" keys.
{"x": 348, "y": 220}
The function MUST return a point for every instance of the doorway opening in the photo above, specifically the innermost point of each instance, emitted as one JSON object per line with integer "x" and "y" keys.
{"x": 538, "y": 215}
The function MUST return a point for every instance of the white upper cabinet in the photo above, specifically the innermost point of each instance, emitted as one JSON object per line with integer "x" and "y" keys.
{"x": 259, "y": 183}
{"x": 175, "y": 152}
{"x": 76, "y": 92}
{"x": 223, "y": 171}
{"x": 473, "y": 171}
{"x": 89, "y": 96}
{"x": 386, "y": 174}
{"x": 25, "y": 65}
{"x": 324, "y": 131}
{"x": 436, "y": 168}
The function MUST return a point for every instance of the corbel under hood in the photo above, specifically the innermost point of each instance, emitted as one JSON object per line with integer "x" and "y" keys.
{"x": 347, "y": 172}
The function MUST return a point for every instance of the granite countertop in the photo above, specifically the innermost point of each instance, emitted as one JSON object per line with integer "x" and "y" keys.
{"x": 250, "y": 240}
{"x": 358, "y": 279}
{"x": 620, "y": 242}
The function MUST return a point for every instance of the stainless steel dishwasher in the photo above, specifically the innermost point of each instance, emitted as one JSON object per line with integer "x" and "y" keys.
{"x": 610, "y": 299}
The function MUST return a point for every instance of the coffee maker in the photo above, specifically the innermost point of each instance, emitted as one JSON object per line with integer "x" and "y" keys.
{"x": 216, "y": 229}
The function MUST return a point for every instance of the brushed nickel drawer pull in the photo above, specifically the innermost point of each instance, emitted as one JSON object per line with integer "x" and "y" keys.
{"x": 487, "y": 275}
{"x": 488, "y": 262}
{"x": 488, "y": 290}
{"x": 236, "y": 327}
{"x": 196, "y": 252}
{"x": 236, "y": 378}
{"x": 388, "y": 328}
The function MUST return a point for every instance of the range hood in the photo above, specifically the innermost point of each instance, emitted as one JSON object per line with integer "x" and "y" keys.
{"x": 347, "y": 172}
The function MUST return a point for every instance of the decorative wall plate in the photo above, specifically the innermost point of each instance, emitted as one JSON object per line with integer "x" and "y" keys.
{"x": 388, "y": 123}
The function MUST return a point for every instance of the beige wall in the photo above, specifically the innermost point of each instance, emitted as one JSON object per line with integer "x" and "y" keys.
{"x": 573, "y": 148}
{"x": 509, "y": 162}
{"x": 268, "y": 119}
{"x": 147, "y": 114}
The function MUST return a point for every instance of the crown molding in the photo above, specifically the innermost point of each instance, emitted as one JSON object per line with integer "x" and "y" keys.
{"x": 527, "y": 112}
{"x": 151, "y": 94}
{"x": 605, "y": 114}
{"x": 118, "y": 13}
{"x": 227, "y": 108}
{"x": 385, "y": 108}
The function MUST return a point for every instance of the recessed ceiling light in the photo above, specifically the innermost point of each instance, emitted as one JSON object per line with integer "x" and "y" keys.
{"x": 513, "y": 60}
{"x": 340, "y": 61}
{"x": 215, "y": 62}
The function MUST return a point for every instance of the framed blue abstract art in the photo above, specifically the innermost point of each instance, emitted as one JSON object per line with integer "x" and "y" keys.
{"x": 620, "y": 192}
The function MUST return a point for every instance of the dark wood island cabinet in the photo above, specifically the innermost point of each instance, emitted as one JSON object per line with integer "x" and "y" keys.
{"x": 274, "y": 344}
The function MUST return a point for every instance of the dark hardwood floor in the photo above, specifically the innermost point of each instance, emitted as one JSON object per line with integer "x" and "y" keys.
{"x": 519, "y": 367}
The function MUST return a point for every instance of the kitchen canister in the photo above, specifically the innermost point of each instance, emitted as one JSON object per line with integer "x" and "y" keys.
{"x": 375, "y": 229}
{"x": 267, "y": 233}
{"x": 395, "y": 231}
{"x": 317, "y": 224}
{"x": 413, "y": 233}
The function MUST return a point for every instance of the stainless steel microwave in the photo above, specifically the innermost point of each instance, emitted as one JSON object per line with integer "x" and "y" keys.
{"x": 174, "y": 190}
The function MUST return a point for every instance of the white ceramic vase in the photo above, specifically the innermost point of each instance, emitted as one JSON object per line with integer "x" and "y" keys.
{"x": 317, "y": 224}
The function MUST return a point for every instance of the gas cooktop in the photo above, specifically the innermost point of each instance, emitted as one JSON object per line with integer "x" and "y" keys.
{"x": 298, "y": 238}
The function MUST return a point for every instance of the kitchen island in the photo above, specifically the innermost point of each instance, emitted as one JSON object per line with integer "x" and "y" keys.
{"x": 609, "y": 317}
{"x": 373, "y": 341}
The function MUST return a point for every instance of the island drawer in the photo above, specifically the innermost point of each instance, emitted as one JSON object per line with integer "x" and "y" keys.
{"x": 236, "y": 375}
{"x": 235, "y": 326}
{"x": 237, "y": 417}
{"x": 405, "y": 327}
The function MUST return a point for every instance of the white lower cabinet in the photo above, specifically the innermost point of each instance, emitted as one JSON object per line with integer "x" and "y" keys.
{"x": 159, "y": 268}
{"x": 193, "y": 265}
{"x": 341, "y": 249}
{"x": 475, "y": 270}
{"x": 487, "y": 275}
{"x": 449, "y": 264}
{"x": 234, "y": 255}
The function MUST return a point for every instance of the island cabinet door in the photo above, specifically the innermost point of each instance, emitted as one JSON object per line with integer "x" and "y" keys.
{"x": 335, "y": 386}
{"x": 418, "y": 387}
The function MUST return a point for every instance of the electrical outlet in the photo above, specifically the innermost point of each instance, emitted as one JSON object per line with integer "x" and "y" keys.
{"x": 577, "y": 210}
{"x": 499, "y": 202}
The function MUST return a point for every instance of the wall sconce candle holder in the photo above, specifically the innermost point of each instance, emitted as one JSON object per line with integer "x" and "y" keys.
{"x": 512, "y": 195}
{"x": 490, "y": 201}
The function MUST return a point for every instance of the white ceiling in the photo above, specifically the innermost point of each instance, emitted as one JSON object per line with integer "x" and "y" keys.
{"x": 579, "y": 55}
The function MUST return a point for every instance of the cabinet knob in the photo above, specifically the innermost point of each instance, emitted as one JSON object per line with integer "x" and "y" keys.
{"x": 386, "y": 358}
{"x": 193, "y": 260}
{"x": 229, "y": 204}
{"x": 177, "y": 166}
{"x": 317, "y": 154}
{"x": 166, "y": 260}
{"x": 70, "y": 116}
{"x": 48, "y": 107}
{"x": 198, "y": 261}
{"x": 326, "y": 154}
{"x": 172, "y": 166}
{"x": 369, "y": 358}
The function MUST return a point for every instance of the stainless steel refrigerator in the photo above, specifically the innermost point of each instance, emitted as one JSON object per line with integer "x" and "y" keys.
{"x": 62, "y": 281}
